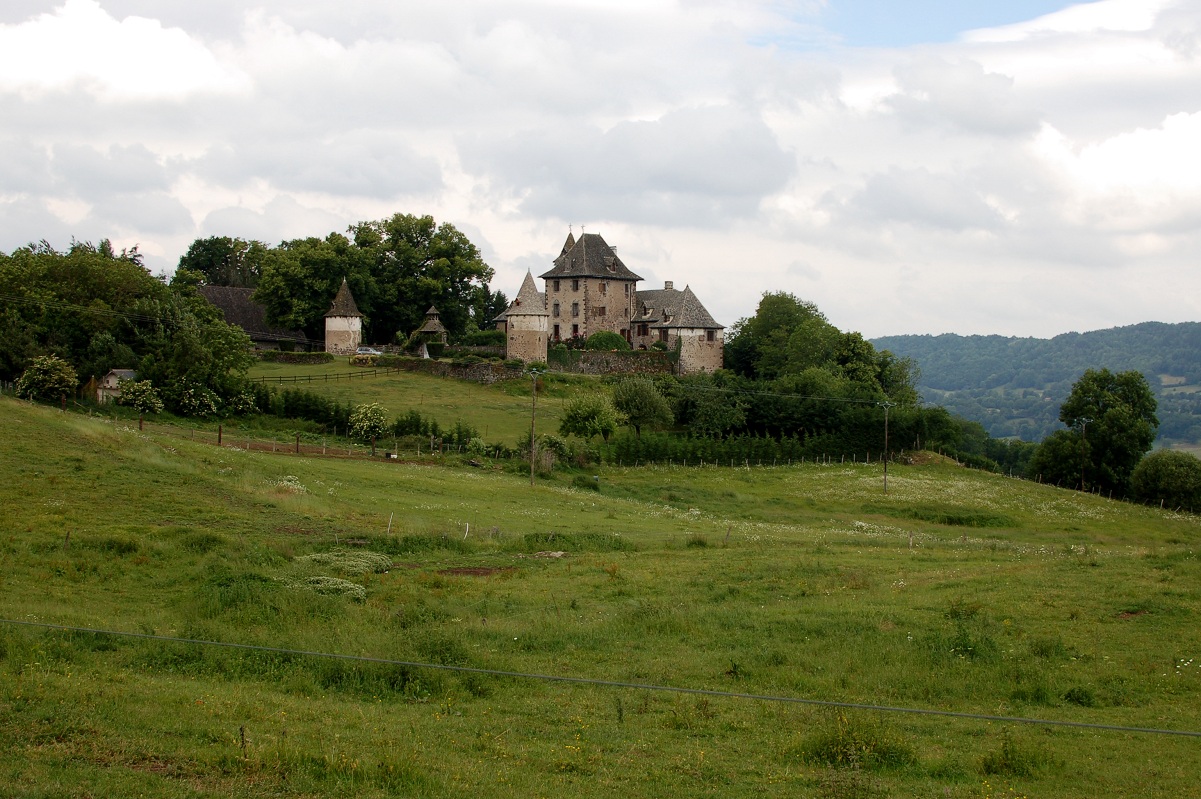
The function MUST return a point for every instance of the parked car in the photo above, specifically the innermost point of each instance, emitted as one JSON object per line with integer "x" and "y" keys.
{"x": 367, "y": 351}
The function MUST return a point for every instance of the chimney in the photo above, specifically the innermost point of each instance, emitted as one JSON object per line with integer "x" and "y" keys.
{"x": 667, "y": 285}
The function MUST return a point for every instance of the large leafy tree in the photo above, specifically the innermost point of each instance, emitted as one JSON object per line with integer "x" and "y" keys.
{"x": 301, "y": 277}
{"x": 416, "y": 263}
{"x": 396, "y": 268}
{"x": 640, "y": 402}
{"x": 1112, "y": 424}
{"x": 788, "y": 336}
{"x": 222, "y": 261}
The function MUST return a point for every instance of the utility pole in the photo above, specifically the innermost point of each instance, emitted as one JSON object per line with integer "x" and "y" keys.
{"x": 534, "y": 373}
{"x": 886, "y": 405}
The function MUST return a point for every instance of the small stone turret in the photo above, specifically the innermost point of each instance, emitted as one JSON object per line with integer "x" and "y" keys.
{"x": 526, "y": 323}
{"x": 343, "y": 323}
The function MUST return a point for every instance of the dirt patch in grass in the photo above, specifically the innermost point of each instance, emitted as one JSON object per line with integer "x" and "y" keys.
{"x": 476, "y": 571}
{"x": 1130, "y": 614}
{"x": 292, "y": 529}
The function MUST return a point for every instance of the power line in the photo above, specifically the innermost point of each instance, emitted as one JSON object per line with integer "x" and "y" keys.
{"x": 614, "y": 683}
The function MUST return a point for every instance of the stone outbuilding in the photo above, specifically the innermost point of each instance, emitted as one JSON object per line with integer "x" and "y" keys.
{"x": 525, "y": 323}
{"x": 677, "y": 318}
{"x": 343, "y": 323}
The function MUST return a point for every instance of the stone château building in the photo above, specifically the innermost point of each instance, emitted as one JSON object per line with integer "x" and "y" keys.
{"x": 590, "y": 289}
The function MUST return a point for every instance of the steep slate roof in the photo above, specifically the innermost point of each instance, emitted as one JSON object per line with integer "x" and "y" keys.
{"x": 529, "y": 301}
{"x": 668, "y": 308}
{"x": 343, "y": 304}
{"x": 238, "y": 309}
{"x": 432, "y": 323}
{"x": 590, "y": 256}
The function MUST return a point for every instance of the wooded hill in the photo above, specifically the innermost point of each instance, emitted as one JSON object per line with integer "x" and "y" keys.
{"x": 1014, "y": 386}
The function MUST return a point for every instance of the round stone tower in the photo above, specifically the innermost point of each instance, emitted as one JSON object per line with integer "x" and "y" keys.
{"x": 526, "y": 324}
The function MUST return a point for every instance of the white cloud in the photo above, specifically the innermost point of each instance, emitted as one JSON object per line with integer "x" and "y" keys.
{"x": 1015, "y": 180}
{"x": 135, "y": 58}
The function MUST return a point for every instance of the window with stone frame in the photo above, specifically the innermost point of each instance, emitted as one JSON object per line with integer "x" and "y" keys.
{"x": 575, "y": 309}
{"x": 555, "y": 310}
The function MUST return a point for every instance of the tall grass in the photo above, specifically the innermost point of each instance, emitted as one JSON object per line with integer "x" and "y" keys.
{"x": 805, "y": 582}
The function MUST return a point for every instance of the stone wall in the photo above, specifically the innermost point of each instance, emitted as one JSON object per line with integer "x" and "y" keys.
{"x": 486, "y": 373}
{"x": 697, "y": 353}
{"x": 587, "y": 362}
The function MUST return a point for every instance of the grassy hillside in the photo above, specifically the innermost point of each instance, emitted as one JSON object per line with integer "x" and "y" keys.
{"x": 500, "y": 412}
{"x": 957, "y": 591}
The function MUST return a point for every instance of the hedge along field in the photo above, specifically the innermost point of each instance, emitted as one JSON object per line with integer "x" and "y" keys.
{"x": 500, "y": 412}
{"x": 1013, "y": 599}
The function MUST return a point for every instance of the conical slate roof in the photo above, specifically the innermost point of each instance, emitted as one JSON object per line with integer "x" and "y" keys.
{"x": 590, "y": 256}
{"x": 343, "y": 304}
{"x": 529, "y": 301}
{"x": 432, "y": 323}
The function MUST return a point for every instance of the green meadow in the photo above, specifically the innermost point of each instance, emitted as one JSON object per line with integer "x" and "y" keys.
{"x": 500, "y": 413}
{"x": 956, "y": 591}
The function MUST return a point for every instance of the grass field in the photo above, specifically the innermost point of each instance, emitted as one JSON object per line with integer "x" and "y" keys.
{"x": 957, "y": 591}
{"x": 500, "y": 412}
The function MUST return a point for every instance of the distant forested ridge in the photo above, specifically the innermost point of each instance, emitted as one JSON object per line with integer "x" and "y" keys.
{"x": 1014, "y": 386}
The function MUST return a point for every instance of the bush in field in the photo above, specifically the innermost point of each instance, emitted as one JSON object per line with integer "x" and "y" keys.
{"x": 588, "y": 416}
{"x": 48, "y": 377}
{"x": 194, "y": 400}
{"x": 139, "y": 395}
{"x": 606, "y": 340}
{"x": 242, "y": 404}
{"x": 1170, "y": 477}
{"x": 368, "y": 422}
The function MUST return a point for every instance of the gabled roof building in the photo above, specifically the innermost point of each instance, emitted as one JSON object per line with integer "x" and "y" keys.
{"x": 239, "y": 309}
{"x": 589, "y": 289}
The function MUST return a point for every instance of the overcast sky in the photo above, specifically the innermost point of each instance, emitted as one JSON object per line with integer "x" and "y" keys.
{"x": 1027, "y": 167}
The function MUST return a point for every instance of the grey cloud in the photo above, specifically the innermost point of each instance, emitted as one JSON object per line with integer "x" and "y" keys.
{"x": 937, "y": 92}
{"x": 93, "y": 174}
{"x": 698, "y": 166}
{"x": 24, "y": 222}
{"x": 920, "y": 198}
{"x": 144, "y": 212}
{"x": 283, "y": 218}
{"x": 25, "y": 168}
{"x": 367, "y": 166}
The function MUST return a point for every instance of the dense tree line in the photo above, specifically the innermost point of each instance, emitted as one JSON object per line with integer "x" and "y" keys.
{"x": 396, "y": 269}
{"x": 98, "y": 309}
{"x": 1014, "y": 386}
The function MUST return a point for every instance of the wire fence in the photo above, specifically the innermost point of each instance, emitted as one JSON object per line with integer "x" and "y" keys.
{"x": 821, "y": 702}
{"x": 358, "y": 374}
